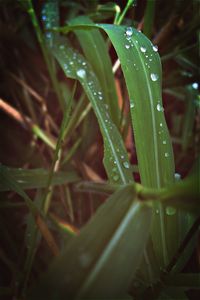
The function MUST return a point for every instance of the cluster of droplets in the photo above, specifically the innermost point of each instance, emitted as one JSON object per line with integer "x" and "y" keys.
{"x": 169, "y": 210}
{"x": 143, "y": 49}
{"x": 123, "y": 162}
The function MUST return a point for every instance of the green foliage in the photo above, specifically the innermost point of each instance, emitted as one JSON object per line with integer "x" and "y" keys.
{"x": 127, "y": 235}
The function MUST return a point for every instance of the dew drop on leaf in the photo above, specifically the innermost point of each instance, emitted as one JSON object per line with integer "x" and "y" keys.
{"x": 170, "y": 211}
{"x": 129, "y": 31}
{"x": 195, "y": 85}
{"x": 177, "y": 176}
{"x": 81, "y": 73}
{"x": 155, "y": 48}
{"x": 159, "y": 107}
{"x": 166, "y": 154}
{"x": 164, "y": 142}
{"x": 115, "y": 177}
{"x": 132, "y": 105}
{"x": 126, "y": 164}
{"x": 127, "y": 46}
{"x": 143, "y": 49}
{"x": 154, "y": 76}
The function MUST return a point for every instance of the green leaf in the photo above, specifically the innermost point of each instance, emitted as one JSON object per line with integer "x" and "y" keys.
{"x": 96, "y": 53}
{"x": 35, "y": 178}
{"x": 75, "y": 66}
{"x": 102, "y": 260}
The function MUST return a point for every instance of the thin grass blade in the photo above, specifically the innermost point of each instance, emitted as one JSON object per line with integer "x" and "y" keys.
{"x": 36, "y": 178}
{"x": 96, "y": 53}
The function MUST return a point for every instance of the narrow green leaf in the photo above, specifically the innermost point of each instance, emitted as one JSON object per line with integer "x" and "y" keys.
{"x": 96, "y": 53}
{"x": 189, "y": 117}
{"x": 149, "y": 18}
{"x": 35, "y": 178}
{"x": 102, "y": 267}
{"x": 75, "y": 66}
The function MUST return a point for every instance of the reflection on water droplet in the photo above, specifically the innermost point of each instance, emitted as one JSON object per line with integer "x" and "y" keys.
{"x": 159, "y": 107}
{"x": 132, "y": 105}
{"x": 143, "y": 49}
{"x": 127, "y": 46}
{"x": 170, "y": 211}
{"x": 116, "y": 177}
{"x": 161, "y": 124}
{"x": 154, "y": 77}
{"x": 81, "y": 73}
{"x": 126, "y": 164}
{"x": 195, "y": 85}
{"x": 166, "y": 154}
{"x": 157, "y": 211}
{"x": 177, "y": 176}
{"x": 164, "y": 142}
{"x": 62, "y": 47}
{"x": 129, "y": 31}
{"x": 155, "y": 48}
{"x": 122, "y": 156}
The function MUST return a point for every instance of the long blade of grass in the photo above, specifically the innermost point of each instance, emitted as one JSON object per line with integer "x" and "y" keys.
{"x": 101, "y": 267}
{"x": 57, "y": 153}
{"x": 75, "y": 66}
{"x": 36, "y": 178}
{"x": 96, "y": 53}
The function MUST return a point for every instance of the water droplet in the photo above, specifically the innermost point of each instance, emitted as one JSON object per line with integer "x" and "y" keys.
{"x": 116, "y": 177}
{"x": 155, "y": 48}
{"x": 122, "y": 156}
{"x": 100, "y": 98}
{"x": 154, "y": 76}
{"x": 164, "y": 142}
{"x": 129, "y": 32}
{"x": 61, "y": 47}
{"x": 132, "y": 105}
{"x": 170, "y": 211}
{"x": 177, "y": 176}
{"x": 195, "y": 85}
{"x": 126, "y": 164}
{"x": 44, "y": 18}
{"x": 127, "y": 46}
{"x": 83, "y": 63}
{"x": 159, "y": 107}
{"x": 48, "y": 35}
{"x": 161, "y": 124}
{"x": 157, "y": 211}
{"x": 81, "y": 73}
{"x": 166, "y": 154}
{"x": 143, "y": 49}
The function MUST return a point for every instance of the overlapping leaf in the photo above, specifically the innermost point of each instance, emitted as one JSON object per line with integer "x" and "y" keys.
{"x": 101, "y": 261}
{"x": 75, "y": 66}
